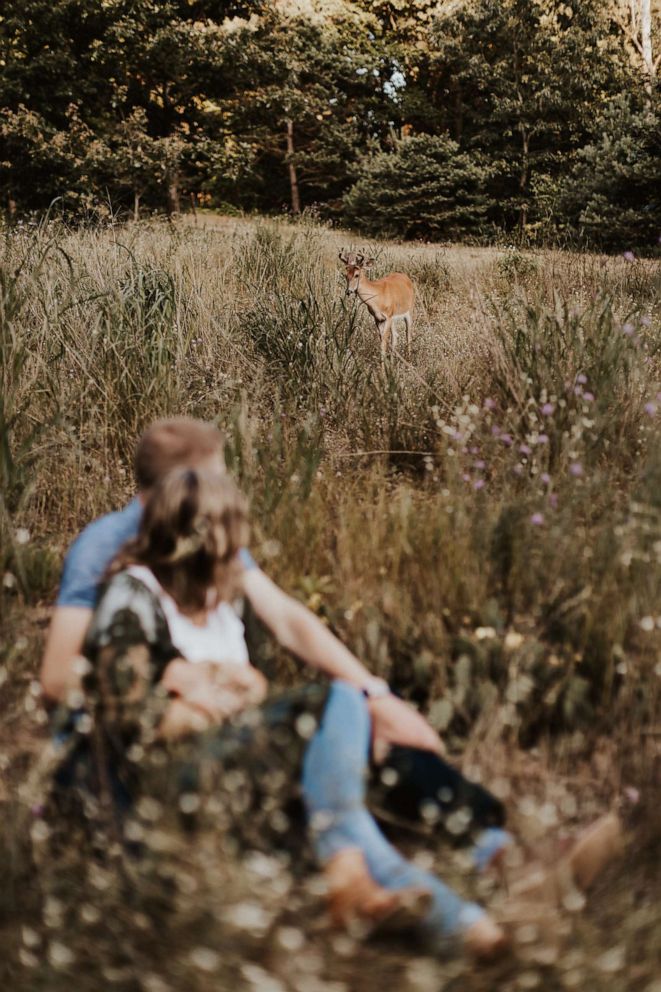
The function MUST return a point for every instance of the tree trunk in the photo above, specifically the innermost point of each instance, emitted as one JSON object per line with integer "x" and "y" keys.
{"x": 136, "y": 205}
{"x": 293, "y": 178}
{"x": 646, "y": 42}
{"x": 173, "y": 193}
{"x": 523, "y": 177}
{"x": 458, "y": 112}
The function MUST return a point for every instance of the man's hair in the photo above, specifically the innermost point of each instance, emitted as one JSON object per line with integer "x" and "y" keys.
{"x": 178, "y": 442}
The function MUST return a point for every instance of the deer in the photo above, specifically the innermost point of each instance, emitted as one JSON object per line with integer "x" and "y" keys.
{"x": 386, "y": 299}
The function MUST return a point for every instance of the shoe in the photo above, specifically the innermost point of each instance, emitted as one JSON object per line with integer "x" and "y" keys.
{"x": 354, "y": 897}
{"x": 485, "y": 940}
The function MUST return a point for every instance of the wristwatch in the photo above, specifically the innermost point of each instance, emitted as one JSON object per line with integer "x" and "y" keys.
{"x": 375, "y": 688}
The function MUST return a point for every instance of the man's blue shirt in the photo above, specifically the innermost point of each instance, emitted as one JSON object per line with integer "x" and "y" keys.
{"x": 95, "y": 547}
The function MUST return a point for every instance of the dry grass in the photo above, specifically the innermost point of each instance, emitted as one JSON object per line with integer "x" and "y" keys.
{"x": 508, "y": 584}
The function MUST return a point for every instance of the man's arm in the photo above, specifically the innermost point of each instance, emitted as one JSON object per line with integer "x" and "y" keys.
{"x": 64, "y": 642}
{"x": 301, "y": 632}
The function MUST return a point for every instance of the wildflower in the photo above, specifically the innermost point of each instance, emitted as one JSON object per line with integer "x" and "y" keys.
{"x": 479, "y": 464}
{"x": 588, "y": 397}
{"x": 629, "y": 256}
{"x": 576, "y": 469}
{"x": 545, "y": 478}
{"x": 524, "y": 449}
{"x": 506, "y": 439}
{"x": 542, "y": 439}
{"x": 466, "y": 477}
{"x": 628, "y": 329}
{"x": 478, "y": 484}
{"x": 489, "y": 404}
{"x": 495, "y": 430}
{"x": 548, "y": 409}
{"x": 553, "y": 501}
{"x": 537, "y": 519}
{"x": 651, "y": 409}
{"x": 646, "y": 320}
{"x": 513, "y": 640}
{"x": 582, "y": 379}
{"x": 485, "y": 633}
{"x": 518, "y": 469}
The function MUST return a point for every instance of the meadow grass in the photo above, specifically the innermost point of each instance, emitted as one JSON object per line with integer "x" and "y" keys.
{"x": 481, "y": 523}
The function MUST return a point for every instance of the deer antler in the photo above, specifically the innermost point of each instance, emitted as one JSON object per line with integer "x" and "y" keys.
{"x": 343, "y": 257}
{"x": 360, "y": 258}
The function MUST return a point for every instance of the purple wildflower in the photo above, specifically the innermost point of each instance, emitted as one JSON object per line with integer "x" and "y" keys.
{"x": 576, "y": 469}
{"x": 489, "y": 404}
{"x": 524, "y": 449}
{"x": 537, "y": 519}
{"x": 646, "y": 320}
{"x": 478, "y": 484}
{"x": 628, "y": 329}
{"x": 588, "y": 397}
{"x": 542, "y": 439}
{"x": 581, "y": 378}
{"x": 506, "y": 439}
{"x": 495, "y": 430}
{"x": 651, "y": 408}
{"x": 553, "y": 500}
{"x": 545, "y": 478}
{"x": 466, "y": 477}
{"x": 479, "y": 464}
{"x": 518, "y": 469}
{"x": 548, "y": 409}
{"x": 629, "y": 256}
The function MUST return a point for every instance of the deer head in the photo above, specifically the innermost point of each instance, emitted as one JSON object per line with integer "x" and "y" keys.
{"x": 355, "y": 263}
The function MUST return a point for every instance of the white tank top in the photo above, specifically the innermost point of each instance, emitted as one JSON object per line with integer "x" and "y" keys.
{"x": 221, "y": 639}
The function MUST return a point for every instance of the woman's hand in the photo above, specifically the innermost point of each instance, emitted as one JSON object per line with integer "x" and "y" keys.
{"x": 396, "y": 722}
{"x": 217, "y": 690}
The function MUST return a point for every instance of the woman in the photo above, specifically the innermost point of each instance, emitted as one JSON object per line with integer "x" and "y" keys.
{"x": 169, "y": 663}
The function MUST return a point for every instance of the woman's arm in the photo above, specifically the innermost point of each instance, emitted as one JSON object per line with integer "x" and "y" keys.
{"x": 301, "y": 632}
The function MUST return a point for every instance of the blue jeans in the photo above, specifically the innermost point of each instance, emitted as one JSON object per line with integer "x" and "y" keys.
{"x": 334, "y": 785}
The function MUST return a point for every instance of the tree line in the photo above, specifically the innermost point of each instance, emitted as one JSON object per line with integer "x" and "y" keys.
{"x": 405, "y": 118}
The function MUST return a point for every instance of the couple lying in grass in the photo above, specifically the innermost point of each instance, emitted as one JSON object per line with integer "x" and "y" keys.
{"x": 147, "y": 648}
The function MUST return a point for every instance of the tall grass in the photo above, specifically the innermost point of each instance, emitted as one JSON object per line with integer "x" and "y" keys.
{"x": 481, "y": 524}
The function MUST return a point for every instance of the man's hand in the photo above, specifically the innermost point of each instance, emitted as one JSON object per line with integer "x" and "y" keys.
{"x": 396, "y": 722}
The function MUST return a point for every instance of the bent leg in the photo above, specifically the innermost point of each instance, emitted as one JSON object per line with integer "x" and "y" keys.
{"x": 420, "y": 787}
{"x": 334, "y": 780}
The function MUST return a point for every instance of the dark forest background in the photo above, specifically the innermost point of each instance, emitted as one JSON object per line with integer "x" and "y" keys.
{"x": 474, "y": 119}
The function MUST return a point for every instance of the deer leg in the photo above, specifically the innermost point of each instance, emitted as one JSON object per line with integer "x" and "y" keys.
{"x": 383, "y": 329}
{"x": 393, "y": 335}
{"x": 408, "y": 322}
{"x": 387, "y": 335}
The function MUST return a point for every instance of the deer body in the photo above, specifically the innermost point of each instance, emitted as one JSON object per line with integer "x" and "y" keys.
{"x": 386, "y": 299}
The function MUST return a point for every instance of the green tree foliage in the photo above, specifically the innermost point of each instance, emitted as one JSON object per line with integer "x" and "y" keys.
{"x": 425, "y": 188}
{"x": 284, "y": 104}
{"x": 613, "y": 196}
{"x": 523, "y": 81}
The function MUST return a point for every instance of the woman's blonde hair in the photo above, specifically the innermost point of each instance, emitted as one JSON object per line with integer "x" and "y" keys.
{"x": 193, "y": 525}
